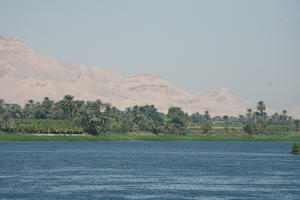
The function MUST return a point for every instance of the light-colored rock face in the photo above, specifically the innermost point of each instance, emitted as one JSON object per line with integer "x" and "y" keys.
{"x": 146, "y": 88}
{"x": 295, "y": 113}
{"x": 221, "y": 101}
{"x": 26, "y": 74}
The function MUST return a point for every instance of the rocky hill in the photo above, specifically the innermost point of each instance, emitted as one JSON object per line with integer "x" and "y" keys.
{"x": 27, "y": 74}
{"x": 295, "y": 113}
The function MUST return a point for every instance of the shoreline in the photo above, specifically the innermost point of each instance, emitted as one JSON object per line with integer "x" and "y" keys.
{"x": 7, "y": 137}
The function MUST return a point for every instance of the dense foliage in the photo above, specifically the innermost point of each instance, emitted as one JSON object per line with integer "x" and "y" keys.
{"x": 176, "y": 121}
{"x": 6, "y": 122}
{"x": 73, "y": 116}
{"x": 70, "y": 116}
{"x": 258, "y": 122}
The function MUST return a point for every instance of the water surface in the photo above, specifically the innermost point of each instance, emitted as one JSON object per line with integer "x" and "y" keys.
{"x": 148, "y": 170}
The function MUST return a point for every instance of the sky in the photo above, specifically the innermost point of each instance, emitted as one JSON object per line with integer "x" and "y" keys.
{"x": 250, "y": 46}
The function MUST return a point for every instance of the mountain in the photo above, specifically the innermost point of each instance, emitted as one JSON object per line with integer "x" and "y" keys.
{"x": 221, "y": 101}
{"x": 27, "y": 74}
{"x": 146, "y": 88}
{"x": 295, "y": 113}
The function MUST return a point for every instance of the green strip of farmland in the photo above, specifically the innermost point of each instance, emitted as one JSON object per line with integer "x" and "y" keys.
{"x": 140, "y": 136}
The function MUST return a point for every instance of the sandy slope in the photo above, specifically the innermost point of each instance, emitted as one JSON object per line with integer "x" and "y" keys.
{"x": 27, "y": 74}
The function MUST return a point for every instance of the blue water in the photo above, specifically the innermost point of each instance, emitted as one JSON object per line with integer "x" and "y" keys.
{"x": 148, "y": 170}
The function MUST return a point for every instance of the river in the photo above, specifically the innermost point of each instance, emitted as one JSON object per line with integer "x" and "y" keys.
{"x": 148, "y": 170}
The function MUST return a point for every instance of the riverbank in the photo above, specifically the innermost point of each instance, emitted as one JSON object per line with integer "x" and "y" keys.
{"x": 139, "y": 136}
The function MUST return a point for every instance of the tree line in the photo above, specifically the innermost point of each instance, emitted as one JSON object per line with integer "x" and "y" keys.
{"x": 96, "y": 117}
{"x": 257, "y": 121}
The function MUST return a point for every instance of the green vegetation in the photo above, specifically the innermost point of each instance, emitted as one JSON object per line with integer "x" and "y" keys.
{"x": 195, "y": 133}
{"x": 44, "y": 126}
{"x": 91, "y": 119}
{"x": 176, "y": 121}
{"x": 295, "y": 148}
{"x": 141, "y": 136}
{"x": 7, "y": 123}
{"x": 100, "y": 121}
{"x": 206, "y": 122}
{"x": 297, "y": 124}
{"x": 143, "y": 118}
{"x": 226, "y": 119}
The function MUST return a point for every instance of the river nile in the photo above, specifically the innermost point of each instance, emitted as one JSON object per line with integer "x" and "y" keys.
{"x": 148, "y": 170}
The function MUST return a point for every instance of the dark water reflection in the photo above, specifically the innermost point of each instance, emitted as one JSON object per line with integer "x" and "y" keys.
{"x": 148, "y": 170}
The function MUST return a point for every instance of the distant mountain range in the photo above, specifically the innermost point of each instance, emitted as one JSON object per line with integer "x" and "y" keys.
{"x": 295, "y": 113}
{"x": 27, "y": 74}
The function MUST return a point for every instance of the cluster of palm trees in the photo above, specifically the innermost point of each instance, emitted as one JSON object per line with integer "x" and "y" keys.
{"x": 256, "y": 121}
{"x": 97, "y": 117}
{"x": 275, "y": 119}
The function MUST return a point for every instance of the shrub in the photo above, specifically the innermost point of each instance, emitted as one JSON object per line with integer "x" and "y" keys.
{"x": 7, "y": 123}
{"x": 295, "y": 148}
{"x": 249, "y": 129}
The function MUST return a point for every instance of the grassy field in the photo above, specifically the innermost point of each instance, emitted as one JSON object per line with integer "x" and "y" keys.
{"x": 44, "y": 126}
{"x": 139, "y": 136}
{"x": 234, "y": 133}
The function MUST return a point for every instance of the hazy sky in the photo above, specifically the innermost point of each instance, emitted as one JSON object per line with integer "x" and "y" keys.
{"x": 252, "y": 47}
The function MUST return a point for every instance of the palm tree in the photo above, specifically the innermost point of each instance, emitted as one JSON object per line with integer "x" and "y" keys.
{"x": 90, "y": 117}
{"x": 225, "y": 118}
{"x": 249, "y": 114}
{"x": 261, "y": 116}
{"x": 47, "y": 106}
{"x": 284, "y": 116}
{"x": 297, "y": 124}
{"x": 206, "y": 123}
{"x": 242, "y": 119}
{"x": 15, "y": 110}
{"x": 206, "y": 115}
{"x": 284, "y": 112}
{"x": 176, "y": 120}
{"x": 261, "y": 107}
{"x": 67, "y": 105}
{"x": 2, "y": 104}
{"x": 29, "y": 109}
{"x": 275, "y": 118}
